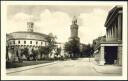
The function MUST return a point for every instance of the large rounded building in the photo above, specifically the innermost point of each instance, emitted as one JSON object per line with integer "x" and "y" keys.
{"x": 27, "y": 38}
{"x": 21, "y": 40}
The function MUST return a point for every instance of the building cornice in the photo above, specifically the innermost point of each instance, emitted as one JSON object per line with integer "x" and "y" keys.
{"x": 27, "y": 39}
{"x": 112, "y": 15}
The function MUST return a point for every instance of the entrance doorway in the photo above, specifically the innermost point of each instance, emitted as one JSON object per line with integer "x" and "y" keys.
{"x": 110, "y": 54}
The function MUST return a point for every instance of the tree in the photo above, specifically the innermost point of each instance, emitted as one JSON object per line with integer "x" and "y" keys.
{"x": 72, "y": 48}
{"x": 88, "y": 51}
{"x": 50, "y": 45}
{"x": 67, "y": 47}
{"x": 42, "y": 51}
{"x": 51, "y": 41}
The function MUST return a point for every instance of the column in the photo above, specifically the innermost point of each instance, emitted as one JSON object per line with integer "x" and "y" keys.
{"x": 108, "y": 34}
{"x": 112, "y": 33}
{"x": 119, "y": 56}
{"x": 116, "y": 33}
{"x": 102, "y": 60}
{"x": 13, "y": 57}
{"x": 119, "y": 26}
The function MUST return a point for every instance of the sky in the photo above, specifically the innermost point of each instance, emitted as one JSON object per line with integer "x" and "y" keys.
{"x": 57, "y": 19}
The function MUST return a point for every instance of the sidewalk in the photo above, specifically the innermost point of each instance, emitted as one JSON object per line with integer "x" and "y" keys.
{"x": 107, "y": 69}
{"x": 13, "y": 70}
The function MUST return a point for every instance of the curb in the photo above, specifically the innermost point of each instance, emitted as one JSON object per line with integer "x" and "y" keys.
{"x": 100, "y": 71}
{"x": 19, "y": 69}
{"x": 103, "y": 72}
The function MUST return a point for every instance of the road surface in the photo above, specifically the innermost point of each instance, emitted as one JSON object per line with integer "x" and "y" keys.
{"x": 80, "y": 67}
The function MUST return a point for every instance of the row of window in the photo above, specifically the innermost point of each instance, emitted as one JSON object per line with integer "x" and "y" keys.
{"x": 25, "y": 42}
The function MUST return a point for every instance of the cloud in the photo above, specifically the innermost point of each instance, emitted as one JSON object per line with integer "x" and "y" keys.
{"x": 56, "y": 22}
{"x": 91, "y": 25}
{"x": 18, "y": 22}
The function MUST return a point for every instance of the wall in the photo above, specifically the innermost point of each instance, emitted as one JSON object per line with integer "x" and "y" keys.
{"x": 28, "y": 42}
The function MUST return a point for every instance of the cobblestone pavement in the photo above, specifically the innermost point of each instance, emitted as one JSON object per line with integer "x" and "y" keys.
{"x": 80, "y": 67}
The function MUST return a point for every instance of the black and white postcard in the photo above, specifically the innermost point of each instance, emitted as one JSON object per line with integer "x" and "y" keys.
{"x": 76, "y": 40}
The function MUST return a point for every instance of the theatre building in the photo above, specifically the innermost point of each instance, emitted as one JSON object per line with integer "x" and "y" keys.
{"x": 24, "y": 39}
{"x": 110, "y": 50}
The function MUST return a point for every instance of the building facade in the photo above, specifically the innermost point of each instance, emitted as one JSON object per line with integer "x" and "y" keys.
{"x": 17, "y": 41}
{"x": 96, "y": 47}
{"x": 25, "y": 44}
{"x": 28, "y": 38}
{"x": 110, "y": 50}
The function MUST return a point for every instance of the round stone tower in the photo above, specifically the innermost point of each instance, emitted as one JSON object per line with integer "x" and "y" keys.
{"x": 74, "y": 29}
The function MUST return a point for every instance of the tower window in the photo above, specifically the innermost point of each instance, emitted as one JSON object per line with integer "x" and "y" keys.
{"x": 24, "y": 42}
{"x": 36, "y": 42}
{"x": 30, "y": 42}
{"x": 41, "y": 43}
{"x": 19, "y": 42}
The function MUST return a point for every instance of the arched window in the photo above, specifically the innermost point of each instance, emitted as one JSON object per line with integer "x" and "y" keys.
{"x": 24, "y": 42}
{"x": 18, "y": 42}
{"x": 30, "y": 42}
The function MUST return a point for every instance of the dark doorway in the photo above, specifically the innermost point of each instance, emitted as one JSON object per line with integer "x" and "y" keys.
{"x": 110, "y": 54}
